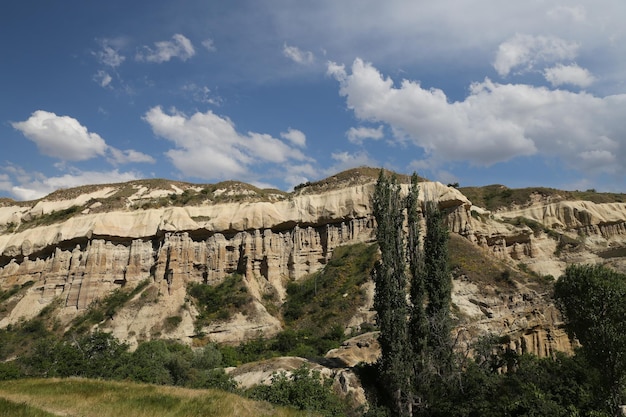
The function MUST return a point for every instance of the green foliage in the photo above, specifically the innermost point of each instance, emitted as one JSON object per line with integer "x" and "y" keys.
{"x": 56, "y": 216}
{"x": 221, "y": 301}
{"x": 19, "y": 339}
{"x": 304, "y": 389}
{"x": 12, "y": 409}
{"x": 438, "y": 282}
{"x": 390, "y": 296}
{"x": 10, "y": 370}
{"x": 593, "y": 301}
{"x": 6, "y": 294}
{"x": 493, "y": 197}
{"x": 105, "y": 308}
{"x": 172, "y": 322}
{"x": 98, "y": 398}
{"x": 330, "y": 297}
{"x": 560, "y": 386}
{"x": 289, "y": 342}
{"x": 95, "y": 355}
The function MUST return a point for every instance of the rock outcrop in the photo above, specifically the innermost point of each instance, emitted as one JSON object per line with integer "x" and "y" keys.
{"x": 80, "y": 245}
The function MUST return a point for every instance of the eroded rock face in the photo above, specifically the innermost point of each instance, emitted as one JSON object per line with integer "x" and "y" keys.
{"x": 270, "y": 243}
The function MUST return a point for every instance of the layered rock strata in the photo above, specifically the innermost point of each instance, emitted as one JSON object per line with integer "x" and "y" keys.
{"x": 86, "y": 256}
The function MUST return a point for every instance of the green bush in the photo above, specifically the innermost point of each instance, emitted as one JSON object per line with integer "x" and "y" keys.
{"x": 219, "y": 302}
{"x": 304, "y": 389}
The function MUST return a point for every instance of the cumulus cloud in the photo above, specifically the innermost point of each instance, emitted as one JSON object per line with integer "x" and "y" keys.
{"x": 569, "y": 74}
{"x": 524, "y": 52}
{"x": 179, "y": 47}
{"x": 359, "y": 134}
{"x": 61, "y": 137}
{"x": 297, "y": 55}
{"x": 294, "y": 136}
{"x": 64, "y": 138}
{"x": 208, "y": 146}
{"x": 495, "y": 122}
{"x": 25, "y": 185}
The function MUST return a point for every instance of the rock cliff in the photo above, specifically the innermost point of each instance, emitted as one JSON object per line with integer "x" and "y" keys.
{"x": 78, "y": 245}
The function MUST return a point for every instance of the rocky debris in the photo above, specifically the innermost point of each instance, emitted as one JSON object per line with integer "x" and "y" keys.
{"x": 360, "y": 349}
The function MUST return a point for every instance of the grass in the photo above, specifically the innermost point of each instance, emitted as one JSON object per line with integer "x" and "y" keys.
{"x": 12, "y": 409}
{"x": 486, "y": 271}
{"x": 496, "y": 196}
{"x": 355, "y": 176}
{"x": 332, "y": 296}
{"x": 57, "y": 216}
{"x": 94, "y": 398}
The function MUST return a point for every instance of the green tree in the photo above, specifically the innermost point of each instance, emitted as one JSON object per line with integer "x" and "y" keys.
{"x": 390, "y": 296}
{"x": 438, "y": 284}
{"x": 593, "y": 301}
{"x": 304, "y": 389}
{"x": 418, "y": 323}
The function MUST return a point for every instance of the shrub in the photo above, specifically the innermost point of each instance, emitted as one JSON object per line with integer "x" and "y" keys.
{"x": 221, "y": 301}
{"x": 304, "y": 389}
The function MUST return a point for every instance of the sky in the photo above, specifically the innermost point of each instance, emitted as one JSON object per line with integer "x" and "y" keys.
{"x": 276, "y": 93}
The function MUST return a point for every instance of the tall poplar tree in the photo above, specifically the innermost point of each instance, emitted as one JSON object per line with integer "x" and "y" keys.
{"x": 390, "y": 296}
{"x": 438, "y": 284}
{"x": 414, "y": 337}
{"x": 418, "y": 323}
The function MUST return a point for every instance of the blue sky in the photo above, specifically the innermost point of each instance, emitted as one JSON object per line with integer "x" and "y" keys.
{"x": 277, "y": 92}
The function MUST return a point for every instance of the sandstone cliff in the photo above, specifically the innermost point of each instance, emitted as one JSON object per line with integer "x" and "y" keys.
{"x": 79, "y": 245}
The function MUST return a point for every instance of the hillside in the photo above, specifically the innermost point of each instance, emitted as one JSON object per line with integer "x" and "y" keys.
{"x": 89, "y": 398}
{"x": 233, "y": 264}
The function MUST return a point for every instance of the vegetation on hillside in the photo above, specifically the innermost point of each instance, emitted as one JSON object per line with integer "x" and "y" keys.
{"x": 331, "y": 296}
{"x": 497, "y": 196}
{"x": 96, "y": 398}
{"x": 315, "y": 313}
{"x": 221, "y": 301}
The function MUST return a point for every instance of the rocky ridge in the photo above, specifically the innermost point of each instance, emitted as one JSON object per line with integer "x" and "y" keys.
{"x": 79, "y": 245}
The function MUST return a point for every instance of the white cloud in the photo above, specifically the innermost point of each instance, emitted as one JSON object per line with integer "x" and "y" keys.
{"x": 201, "y": 94}
{"x": 179, "y": 47}
{"x": 495, "y": 122}
{"x": 61, "y": 137}
{"x": 209, "y": 45}
{"x": 526, "y": 51}
{"x": 209, "y": 147}
{"x": 31, "y": 186}
{"x": 569, "y": 74}
{"x": 103, "y": 78}
{"x": 109, "y": 55}
{"x": 576, "y": 13}
{"x": 294, "y": 136}
{"x": 127, "y": 156}
{"x": 297, "y": 55}
{"x": 359, "y": 134}
{"x": 347, "y": 160}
